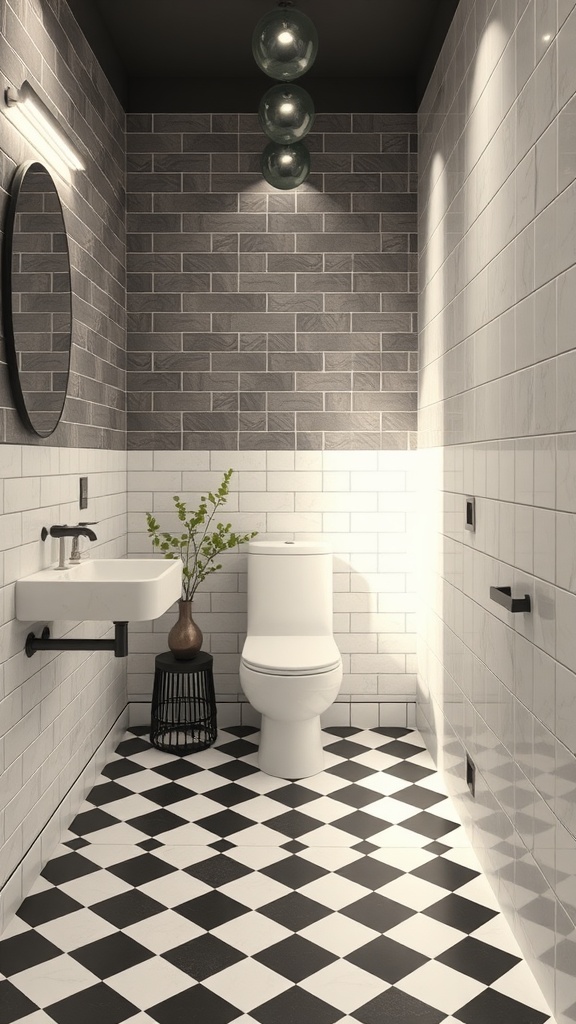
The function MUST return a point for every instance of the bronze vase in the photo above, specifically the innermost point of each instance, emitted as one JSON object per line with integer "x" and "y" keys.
{"x": 185, "y": 637}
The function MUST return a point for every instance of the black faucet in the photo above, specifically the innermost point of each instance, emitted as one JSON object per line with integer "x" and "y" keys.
{"x": 61, "y": 532}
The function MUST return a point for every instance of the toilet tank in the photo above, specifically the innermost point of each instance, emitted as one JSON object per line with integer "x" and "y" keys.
{"x": 289, "y": 588}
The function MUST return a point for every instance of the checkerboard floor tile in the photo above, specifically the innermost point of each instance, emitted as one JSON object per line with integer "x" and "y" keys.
{"x": 199, "y": 888}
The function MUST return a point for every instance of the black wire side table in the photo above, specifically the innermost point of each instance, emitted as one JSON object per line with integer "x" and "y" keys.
{"x": 183, "y": 704}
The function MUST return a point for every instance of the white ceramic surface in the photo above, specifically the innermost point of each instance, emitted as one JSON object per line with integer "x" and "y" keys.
{"x": 106, "y": 589}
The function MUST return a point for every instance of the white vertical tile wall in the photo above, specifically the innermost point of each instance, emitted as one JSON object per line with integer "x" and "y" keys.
{"x": 360, "y": 502}
{"x": 498, "y": 247}
{"x": 55, "y": 710}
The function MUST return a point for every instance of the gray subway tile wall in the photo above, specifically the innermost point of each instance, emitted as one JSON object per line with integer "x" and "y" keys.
{"x": 44, "y": 44}
{"x": 261, "y": 320}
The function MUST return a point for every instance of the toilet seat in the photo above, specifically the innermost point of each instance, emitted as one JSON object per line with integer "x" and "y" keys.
{"x": 291, "y": 655}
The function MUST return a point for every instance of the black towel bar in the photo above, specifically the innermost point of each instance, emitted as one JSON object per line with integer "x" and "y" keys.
{"x": 503, "y": 596}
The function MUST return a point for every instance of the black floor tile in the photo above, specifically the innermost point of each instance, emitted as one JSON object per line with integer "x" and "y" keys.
{"x": 91, "y": 821}
{"x": 460, "y": 913}
{"x": 397, "y": 1007}
{"x": 225, "y": 823}
{"x": 445, "y": 873}
{"x": 346, "y": 748}
{"x": 351, "y": 770}
{"x": 93, "y": 1005}
{"x": 293, "y": 795}
{"x": 178, "y": 769}
{"x": 169, "y": 793}
{"x": 139, "y": 870}
{"x": 417, "y": 796}
{"x": 150, "y": 844}
{"x": 216, "y": 871}
{"x": 387, "y": 959}
{"x": 196, "y": 1004}
{"x": 155, "y": 823}
{"x": 361, "y": 824}
{"x": 394, "y": 731}
{"x": 121, "y": 767}
{"x": 202, "y": 957}
{"x": 293, "y": 846}
{"x": 436, "y": 847}
{"x": 106, "y": 792}
{"x": 369, "y": 872}
{"x": 378, "y": 912}
{"x": 498, "y": 1009}
{"x": 47, "y": 906}
{"x": 397, "y": 748}
{"x": 364, "y": 847}
{"x": 357, "y": 796}
{"x": 25, "y": 950}
{"x": 127, "y": 908}
{"x": 230, "y": 795}
{"x": 295, "y": 911}
{"x": 133, "y": 746}
{"x": 14, "y": 1005}
{"x": 110, "y": 955}
{"x": 295, "y": 958}
{"x": 342, "y": 730}
{"x": 237, "y": 730}
{"x": 293, "y": 824}
{"x": 478, "y": 960}
{"x": 234, "y": 770}
{"x": 408, "y": 771}
{"x": 68, "y": 866}
{"x": 294, "y": 871}
{"x": 296, "y": 1006}
{"x": 76, "y": 844}
{"x": 238, "y": 748}
{"x": 211, "y": 909}
{"x": 431, "y": 825}
{"x": 221, "y": 845}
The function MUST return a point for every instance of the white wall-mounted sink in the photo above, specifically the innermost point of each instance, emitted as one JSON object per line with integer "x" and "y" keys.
{"x": 106, "y": 589}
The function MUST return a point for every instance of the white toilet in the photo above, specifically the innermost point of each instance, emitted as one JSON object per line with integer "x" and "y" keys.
{"x": 291, "y": 668}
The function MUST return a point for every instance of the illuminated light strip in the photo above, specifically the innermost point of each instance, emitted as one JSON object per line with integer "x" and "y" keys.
{"x": 40, "y": 126}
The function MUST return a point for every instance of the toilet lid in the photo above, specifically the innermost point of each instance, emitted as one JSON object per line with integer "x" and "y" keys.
{"x": 291, "y": 655}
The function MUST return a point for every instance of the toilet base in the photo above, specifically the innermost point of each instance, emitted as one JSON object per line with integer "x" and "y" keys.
{"x": 291, "y": 750}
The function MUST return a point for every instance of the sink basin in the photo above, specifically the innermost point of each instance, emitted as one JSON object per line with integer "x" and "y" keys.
{"x": 108, "y": 589}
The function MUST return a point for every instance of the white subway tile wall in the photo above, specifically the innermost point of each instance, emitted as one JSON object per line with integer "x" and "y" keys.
{"x": 361, "y": 503}
{"x": 497, "y": 385}
{"x": 55, "y": 709}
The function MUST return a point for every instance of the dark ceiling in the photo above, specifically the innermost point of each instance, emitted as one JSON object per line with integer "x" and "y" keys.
{"x": 196, "y": 54}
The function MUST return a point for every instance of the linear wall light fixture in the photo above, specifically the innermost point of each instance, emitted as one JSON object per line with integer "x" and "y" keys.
{"x": 40, "y": 127}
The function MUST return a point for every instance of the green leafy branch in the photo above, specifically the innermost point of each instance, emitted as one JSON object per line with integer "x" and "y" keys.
{"x": 200, "y": 543}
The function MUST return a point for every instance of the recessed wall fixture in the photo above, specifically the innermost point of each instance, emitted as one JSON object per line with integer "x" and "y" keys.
{"x": 285, "y": 44}
{"x": 25, "y": 108}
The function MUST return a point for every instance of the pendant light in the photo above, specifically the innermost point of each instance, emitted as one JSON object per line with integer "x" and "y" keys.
{"x": 285, "y": 44}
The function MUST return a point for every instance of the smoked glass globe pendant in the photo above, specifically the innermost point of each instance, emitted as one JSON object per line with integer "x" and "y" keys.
{"x": 286, "y": 113}
{"x": 285, "y": 44}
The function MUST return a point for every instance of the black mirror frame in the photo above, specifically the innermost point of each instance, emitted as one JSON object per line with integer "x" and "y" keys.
{"x": 7, "y": 306}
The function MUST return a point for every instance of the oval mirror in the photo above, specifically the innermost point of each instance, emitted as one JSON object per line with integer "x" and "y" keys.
{"x": 37, "y": 299}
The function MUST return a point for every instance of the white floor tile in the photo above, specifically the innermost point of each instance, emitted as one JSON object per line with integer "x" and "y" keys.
{"x": 254, "y": 890}
{"x": 520, "y": 984}
{"x": 174, "y": 889}
{"x": 74, "y": 930}
{"x": 331, "y": 858}
{"x": 249, "y": 982}
{"x": 403, "y": 858}
{"x": 440, "y": 986}
{"x": 150, "y": 982}
{"x": 334, "y": 891}
{"x": 412, "y": 892}
{"x": 339, "y": 934}
{"x": 48, "y": 982}
{"x": 345, "y": 986}
{"x": 425, "y": 935}
{"x": 166, "y": 931}
{"x": 90, "y": 889}
{"x": 251, "y": 933}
